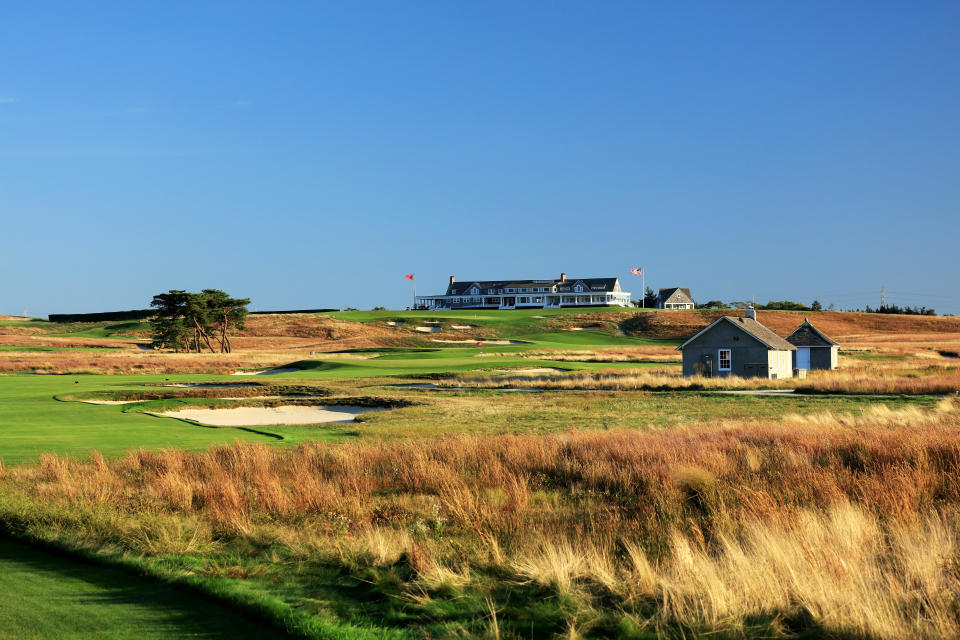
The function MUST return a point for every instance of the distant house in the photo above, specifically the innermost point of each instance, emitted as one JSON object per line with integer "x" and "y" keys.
{"x": 528, "y": 294}
{"x": 738, "y": 347}
{"x": 675, "y": 298}
{"x": 815, "y": 350}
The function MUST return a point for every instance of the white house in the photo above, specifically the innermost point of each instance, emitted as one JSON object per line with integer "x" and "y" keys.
{"x": 528, "y": 294}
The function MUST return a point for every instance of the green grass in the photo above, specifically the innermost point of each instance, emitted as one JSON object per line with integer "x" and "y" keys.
{"x": 43, "y": 595}
{"x": 79, "y": 329}
{"x": 99, "y": 330}
{"x": 445, "y": 361}
{"x": 480, "y": 317}
{"x": 32, "y": 421}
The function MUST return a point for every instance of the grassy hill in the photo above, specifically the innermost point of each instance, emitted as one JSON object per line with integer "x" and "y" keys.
{"x": 537, "y": 473}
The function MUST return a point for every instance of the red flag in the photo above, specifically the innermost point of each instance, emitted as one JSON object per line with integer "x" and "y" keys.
{"x": 409, "y": 276}
{"x": 479, "y": 344}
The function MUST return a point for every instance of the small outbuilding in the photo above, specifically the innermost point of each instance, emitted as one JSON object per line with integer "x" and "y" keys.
{"x": 675, "y": 298}
{"x": 815, "y": 349}
{"x": 738, "y": 347}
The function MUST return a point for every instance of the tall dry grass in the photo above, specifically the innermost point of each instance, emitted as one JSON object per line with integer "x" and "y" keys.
{"x": 916, "y": 376}
{"x": 847, "y": 523}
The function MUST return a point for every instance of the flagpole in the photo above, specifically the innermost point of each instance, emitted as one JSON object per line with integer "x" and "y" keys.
{"x": 643, "y": 286}
{"x": 414, "y": 278}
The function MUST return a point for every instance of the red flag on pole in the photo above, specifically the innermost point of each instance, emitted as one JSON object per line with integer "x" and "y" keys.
{"x": 409, "y": 276}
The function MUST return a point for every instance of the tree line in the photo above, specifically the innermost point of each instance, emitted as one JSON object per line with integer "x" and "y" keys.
{"x": 186, "y": 321}
{"x": 910, "y": 311}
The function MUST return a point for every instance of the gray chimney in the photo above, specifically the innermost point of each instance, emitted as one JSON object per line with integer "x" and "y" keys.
{"x": 452, "y": 280}
{"x": 751, "y": 313}
{"x": 563, "y": 277}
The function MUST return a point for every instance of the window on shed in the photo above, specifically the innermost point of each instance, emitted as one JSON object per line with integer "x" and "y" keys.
{"x": 723, "y": 358}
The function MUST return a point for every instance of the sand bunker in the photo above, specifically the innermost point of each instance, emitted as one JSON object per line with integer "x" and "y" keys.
{"x": 211, "y": 385}
{"x": 428, "y": 329}
{"x": 531, "y": 370}
{"x": 109, "y": 401}
{"x": 263, "y": 416}
{"x": 583, "y": 328}
{"x": 463, "y": 327}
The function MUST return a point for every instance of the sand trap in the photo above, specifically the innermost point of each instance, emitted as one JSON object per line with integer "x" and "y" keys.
{"x": 109, "y": 401}
{"x": 530, "y": 370}
{"x": 428, "y": 329}
{"x": 211, "y": 385}
{"x": 583, "y": 328}
{"x": 270, "y": 372}
{"x": 396, "y": 323}
{"x": 463, "y": 327}
{"x": 262, "y": 416}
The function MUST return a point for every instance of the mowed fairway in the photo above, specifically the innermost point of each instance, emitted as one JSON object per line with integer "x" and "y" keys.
{"x": 46, "y": 596}
{"x": 32, "y": 421}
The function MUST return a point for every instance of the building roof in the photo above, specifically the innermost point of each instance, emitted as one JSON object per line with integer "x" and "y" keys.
{"x": 807, "y": 335}
{"x": 591, "y": 284}
{"x": 751, "y": 327}
{"x": 666, "y": 294}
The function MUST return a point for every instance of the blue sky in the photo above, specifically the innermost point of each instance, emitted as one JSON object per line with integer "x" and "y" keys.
{"x": 308, "y": 154}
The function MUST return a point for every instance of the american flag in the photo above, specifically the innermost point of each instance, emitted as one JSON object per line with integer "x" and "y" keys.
{"x": 637, "y": 271}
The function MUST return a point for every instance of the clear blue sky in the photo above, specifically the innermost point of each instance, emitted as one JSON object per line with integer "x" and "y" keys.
{"x": 308, "y": 154}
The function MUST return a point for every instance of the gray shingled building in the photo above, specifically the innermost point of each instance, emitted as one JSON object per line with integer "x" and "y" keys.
{"x": 814, "y": 349}
{"x": 738, "y": 347}
{"x": 675, "y": 298}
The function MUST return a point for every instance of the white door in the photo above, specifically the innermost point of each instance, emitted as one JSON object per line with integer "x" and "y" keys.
{"x": 803, "y": 358}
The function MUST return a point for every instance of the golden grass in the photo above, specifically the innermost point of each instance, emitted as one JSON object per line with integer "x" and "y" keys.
{"x": 636, "y": 354}
{"x": 927, "y": 373}
{"x": 846, "y": 522}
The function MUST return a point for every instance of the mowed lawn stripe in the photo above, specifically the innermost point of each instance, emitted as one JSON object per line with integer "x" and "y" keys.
{"x": 45, "y": 596}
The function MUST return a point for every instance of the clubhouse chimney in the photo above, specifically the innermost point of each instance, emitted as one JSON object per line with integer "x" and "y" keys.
{"x": 563, "y": 277}
{"x": 751, "y": 313}
{"x": 452, "y": 280}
